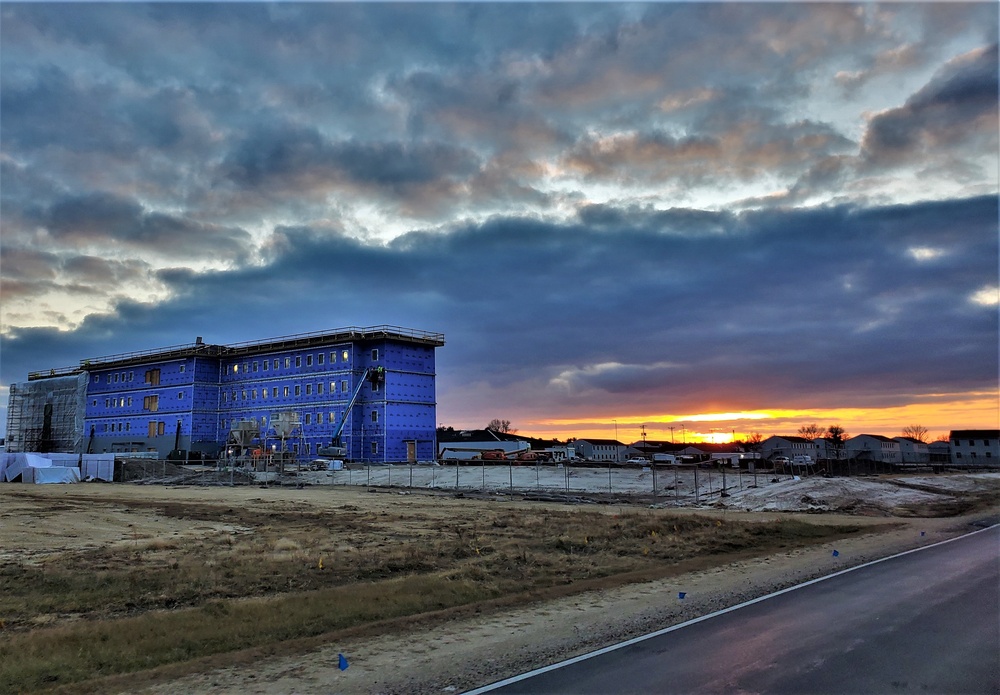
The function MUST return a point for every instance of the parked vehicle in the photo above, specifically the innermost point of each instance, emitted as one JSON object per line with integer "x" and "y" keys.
{"x": 664, "y": 458}
{"x": 802, "y": 461}
{"x": 637, "y": 461}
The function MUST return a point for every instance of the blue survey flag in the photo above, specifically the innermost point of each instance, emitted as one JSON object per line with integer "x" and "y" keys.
{"x": 836, "y": 553}
{"x": 681, "y": 594}
{"x": 341, "y": 662}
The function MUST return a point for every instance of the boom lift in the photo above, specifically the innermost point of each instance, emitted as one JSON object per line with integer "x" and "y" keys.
{"x": 337, "y": 450}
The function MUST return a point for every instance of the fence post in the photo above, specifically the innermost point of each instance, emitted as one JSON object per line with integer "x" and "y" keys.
{"x": 697, "y": 491}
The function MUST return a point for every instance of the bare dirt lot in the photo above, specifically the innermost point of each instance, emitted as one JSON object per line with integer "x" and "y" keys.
{"x": 257, "y": 590}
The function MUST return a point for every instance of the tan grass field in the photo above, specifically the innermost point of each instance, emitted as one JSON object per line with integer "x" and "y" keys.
{"x": 121, "y": 587}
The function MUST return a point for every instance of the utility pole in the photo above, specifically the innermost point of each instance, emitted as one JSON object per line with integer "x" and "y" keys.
{"x": 617, "y": 453}
{"x": 671, "y": 434}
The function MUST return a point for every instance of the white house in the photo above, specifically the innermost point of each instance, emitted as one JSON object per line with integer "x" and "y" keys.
{"x": 913, "y": 450}
{"x": 787, "y": 446}
{"x": 975, "y": 447}
{"x": 600, "y": 449}
{"x": 874, "y": 447}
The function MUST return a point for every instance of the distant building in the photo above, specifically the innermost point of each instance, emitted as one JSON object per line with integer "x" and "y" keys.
{"x": 600, "y": 449}
{"x": 374, "y": 386}
{"x": 939, "y": 452}
{"x": 913, "y": 450}
{"x": 647, "y": 449}
{"x": 975, "y": 447}
{"x": 790, "y": 446}
{"x": 874, "y": 447}
{"x": 466, "y": 445}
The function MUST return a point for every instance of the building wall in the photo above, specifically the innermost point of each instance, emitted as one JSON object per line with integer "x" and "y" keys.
{"x": 874, "y": 448}
{"x": 141, "y": 407}
{"x": 975, "y": 448}
{"x": 781, "y": 446}
{"x": 601, "y": 450}
{"x": 913, "y": 451}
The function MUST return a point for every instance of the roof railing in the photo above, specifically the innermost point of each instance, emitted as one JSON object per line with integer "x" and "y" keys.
{"x": 198, "y": 347}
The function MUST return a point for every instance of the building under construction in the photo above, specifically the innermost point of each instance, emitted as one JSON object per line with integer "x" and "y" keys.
{"x": 363, "y": 394}
{"x": 47, "y": 415}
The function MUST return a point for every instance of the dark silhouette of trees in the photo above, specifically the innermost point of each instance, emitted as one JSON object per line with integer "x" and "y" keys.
{"x": 501, "y": 426}
{"x": 918, "y": 432}
{"x": 837, "y": 436}
{"x": 812, "y": 431}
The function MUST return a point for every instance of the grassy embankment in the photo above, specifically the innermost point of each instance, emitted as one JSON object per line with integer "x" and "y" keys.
{"x": 292, "y": 576}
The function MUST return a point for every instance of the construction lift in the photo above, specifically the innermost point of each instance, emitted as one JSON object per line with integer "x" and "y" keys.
{"x": 337, "y": 450}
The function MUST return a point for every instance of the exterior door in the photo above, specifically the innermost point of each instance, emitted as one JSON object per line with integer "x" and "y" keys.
{"x": 411, "y": 452}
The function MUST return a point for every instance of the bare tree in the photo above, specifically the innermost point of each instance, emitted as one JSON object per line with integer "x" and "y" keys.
{"x": 918, "y": 432}
{"x": 501, "y": 426}
{"x": 812, "y": 431}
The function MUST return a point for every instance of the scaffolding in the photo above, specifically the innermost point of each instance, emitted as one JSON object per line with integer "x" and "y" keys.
{"x": 46, "y": 415}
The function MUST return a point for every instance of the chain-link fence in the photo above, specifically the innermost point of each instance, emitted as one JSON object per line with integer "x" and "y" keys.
{"x": 664, "y": 484}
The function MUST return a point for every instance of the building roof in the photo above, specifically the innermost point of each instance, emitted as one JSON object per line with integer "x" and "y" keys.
{"x": 879, "y": 437}
{"x": 600, "y": 442}
{"x": 790, "y": 438}
{"x": 449, "y": 436}
{"x": 975, "y": 434}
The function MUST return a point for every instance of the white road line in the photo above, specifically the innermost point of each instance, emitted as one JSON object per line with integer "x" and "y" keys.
{"x": 642, "y": 638}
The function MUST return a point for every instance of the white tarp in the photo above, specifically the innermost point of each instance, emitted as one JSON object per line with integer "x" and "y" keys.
{"x": 66, "y": 460}
{"x": 88, "y": 466}
{"x": 55, "y": 474}
{"x": 14, "y": 465}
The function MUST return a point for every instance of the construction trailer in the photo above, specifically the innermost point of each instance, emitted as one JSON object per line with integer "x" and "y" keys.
{"x": 182, "y": 402}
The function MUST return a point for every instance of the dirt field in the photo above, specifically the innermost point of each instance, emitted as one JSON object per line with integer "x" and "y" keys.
{"x": 595, "y": 574}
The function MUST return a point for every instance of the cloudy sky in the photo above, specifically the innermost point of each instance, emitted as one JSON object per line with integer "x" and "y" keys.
{"x": 713, "y": 217}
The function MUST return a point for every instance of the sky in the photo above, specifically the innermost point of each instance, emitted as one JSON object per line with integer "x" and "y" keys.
{"x": 703, "y": 220}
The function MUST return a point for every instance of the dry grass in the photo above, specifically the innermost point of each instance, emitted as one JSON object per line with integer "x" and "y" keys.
{"x": 295, "y": 574}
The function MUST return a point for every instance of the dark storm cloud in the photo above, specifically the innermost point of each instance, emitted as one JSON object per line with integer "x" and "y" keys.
{"x": 101, "y": 218}
{"x": 958, "y": 105}
{"x": 288, "y": 159}
{"x": 29, "y": 273}
{"x": 669, "y": 307}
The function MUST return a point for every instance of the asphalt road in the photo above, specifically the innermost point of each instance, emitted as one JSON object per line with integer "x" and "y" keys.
{"x": 927, "y": 621}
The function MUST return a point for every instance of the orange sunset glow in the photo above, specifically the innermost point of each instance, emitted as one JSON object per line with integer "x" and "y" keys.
{"x": 969, "y": 411}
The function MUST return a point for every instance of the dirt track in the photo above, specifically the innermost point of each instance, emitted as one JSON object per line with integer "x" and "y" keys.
{"x": 449, "y": 654}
